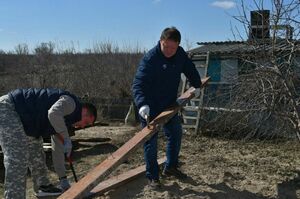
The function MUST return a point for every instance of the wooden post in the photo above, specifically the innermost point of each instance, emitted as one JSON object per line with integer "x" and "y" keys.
{"x": 117, "y": 181}
{"x": 100, "y": 172}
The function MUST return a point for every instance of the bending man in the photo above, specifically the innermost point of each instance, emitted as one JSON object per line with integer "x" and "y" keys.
{"x": 26, "y": 115}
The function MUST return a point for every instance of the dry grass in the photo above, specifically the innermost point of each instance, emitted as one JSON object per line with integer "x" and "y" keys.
{"x": 217, "y": 168}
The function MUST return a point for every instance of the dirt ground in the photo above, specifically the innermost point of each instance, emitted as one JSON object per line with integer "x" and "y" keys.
{"x": 217, "y": 168}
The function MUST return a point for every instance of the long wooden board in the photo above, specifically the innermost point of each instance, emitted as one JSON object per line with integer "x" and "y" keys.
{"x": 117, "y": 181}
{"x": 100, "y": 172}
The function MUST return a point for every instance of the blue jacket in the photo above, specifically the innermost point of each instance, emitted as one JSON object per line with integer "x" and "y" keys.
{"x": 157, "y": 79}
{"x": 32, "y": 106}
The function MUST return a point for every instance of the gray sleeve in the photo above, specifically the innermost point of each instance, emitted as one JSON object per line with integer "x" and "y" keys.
{"x": 58, "y": 156}
{"x": 62, "y": 107}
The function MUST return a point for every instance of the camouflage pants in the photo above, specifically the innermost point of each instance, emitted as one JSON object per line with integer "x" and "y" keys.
{"x": 20, "y": 153}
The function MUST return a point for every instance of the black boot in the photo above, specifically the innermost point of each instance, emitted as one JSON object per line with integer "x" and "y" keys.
{"x": 174, "y": 171}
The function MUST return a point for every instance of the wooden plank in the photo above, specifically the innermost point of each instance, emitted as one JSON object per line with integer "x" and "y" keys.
{"x": 83, "y": 186}
{"x": 100, "y": 172}
{"x": 119, "y": 180}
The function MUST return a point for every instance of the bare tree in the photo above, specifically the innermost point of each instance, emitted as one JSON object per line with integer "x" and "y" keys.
{"x": 22, "y": 49}
{"x": 265, "y": 96}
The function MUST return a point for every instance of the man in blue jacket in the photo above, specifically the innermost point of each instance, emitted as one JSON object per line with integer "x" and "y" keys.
{"x": 27, "y": 115}
{"x": 155, "y": 88}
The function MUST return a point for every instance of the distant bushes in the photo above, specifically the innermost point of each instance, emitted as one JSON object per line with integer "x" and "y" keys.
{"x": 102, "y": 72}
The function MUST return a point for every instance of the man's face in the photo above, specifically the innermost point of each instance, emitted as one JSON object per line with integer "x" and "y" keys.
{"x": 168, "y": 47}
{"x": 86, "y": 119}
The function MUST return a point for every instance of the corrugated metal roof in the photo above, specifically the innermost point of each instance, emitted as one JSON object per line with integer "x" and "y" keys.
{"x": 238, "y": 47}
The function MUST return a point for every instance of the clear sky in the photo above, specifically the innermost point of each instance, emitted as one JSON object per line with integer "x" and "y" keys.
{"x": 123, "y": 22}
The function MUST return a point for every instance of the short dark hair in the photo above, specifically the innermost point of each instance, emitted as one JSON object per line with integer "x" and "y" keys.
{"x": 171, "y": 33}
{"x": 91, "y": 109}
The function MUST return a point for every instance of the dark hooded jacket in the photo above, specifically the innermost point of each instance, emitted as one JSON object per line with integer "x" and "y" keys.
{"x": 157, "y": 79}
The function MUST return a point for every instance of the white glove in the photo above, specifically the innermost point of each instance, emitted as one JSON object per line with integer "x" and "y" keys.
{"x": 144, "y": 111}
{"x": 196, "y": 92}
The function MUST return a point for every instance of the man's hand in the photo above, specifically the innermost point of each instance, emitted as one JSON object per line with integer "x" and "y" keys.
{"x": 196, "y": 92}
{"x": 144, "y": 111}
{"x": 64, "y": 184}
{"x": 67, "y": 146}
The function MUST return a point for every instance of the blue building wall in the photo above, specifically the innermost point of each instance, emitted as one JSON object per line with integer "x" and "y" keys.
{"x": 214, "y": 69}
